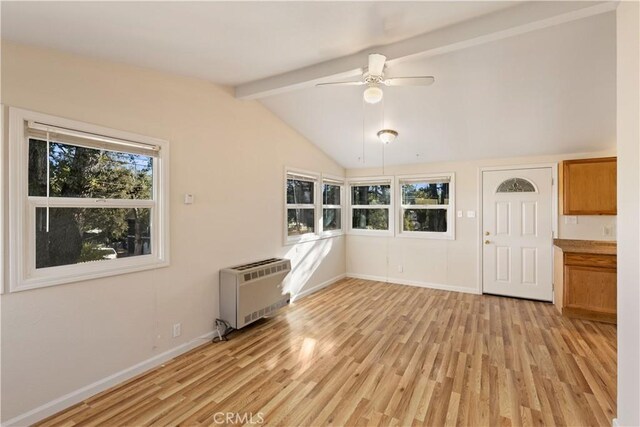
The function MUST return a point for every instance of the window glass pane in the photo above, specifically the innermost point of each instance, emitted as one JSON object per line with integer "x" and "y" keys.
{"x": 78, "y": 235}
{"x": 425, "y": 193}
{"x": 331, "y": 219}
{"x": 370, "y": 219}
{"x": 88, "y": 172}
{"x": 37, "y": 168}
{"x": 299, "y": 192}
{"x": 425, "y": 220}
{"x": 300, "y": 221}
{"x": 371, "y": 195}
{"x": 331, "y": 194}
{"x": 516, "y": 185}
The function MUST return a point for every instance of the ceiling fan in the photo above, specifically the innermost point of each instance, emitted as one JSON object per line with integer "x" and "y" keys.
{"x": 374, "y": 78}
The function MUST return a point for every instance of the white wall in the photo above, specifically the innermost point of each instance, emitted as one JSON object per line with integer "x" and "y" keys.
{"x": 449, "y": 264}
{"x": 231, "y": 154}
{"x": 628, "y": 43}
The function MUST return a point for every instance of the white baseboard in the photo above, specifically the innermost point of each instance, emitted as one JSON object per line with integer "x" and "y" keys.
{"x": 70, "y": 399}
{"x": 415, "y": 283}
{"x": 316, "y": 288}
{"x": 614, "y": 422}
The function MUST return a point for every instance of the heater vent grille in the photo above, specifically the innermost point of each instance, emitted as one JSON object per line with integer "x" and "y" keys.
{"x": 251, "y": 291}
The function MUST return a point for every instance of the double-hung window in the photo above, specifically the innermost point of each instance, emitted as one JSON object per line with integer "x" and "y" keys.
{"x": 332, "y": 196}
{"x": 86, "y": 201}
{"x": 371, "y": 207}
{"x": 301, "y": 189}
{"x": 426, "y": 206}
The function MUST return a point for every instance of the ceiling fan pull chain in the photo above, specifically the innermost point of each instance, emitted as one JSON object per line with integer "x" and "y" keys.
{"x": 383, "y": 127}
{"x": 363, "y": 133}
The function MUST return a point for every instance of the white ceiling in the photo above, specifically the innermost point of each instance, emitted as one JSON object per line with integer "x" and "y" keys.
{"x": 226, "y": 42}
{"x": 544, "y": 92}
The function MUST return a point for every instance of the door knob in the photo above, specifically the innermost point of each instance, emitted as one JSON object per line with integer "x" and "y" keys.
{"x": 486, "y": 233}
{"x": 486, "y": 242}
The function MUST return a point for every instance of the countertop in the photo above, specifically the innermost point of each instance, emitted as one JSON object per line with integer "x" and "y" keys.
{"x": 587, "y": 246}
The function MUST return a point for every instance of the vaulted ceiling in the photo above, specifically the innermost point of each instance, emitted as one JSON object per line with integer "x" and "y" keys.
{"x": 512, "y": 78}
{"x": 226, "y": 42}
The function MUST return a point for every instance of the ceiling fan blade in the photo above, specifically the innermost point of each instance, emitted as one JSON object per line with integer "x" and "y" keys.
{"x": 410, "y": 81}
{"x": 357, "y": 83}
{"x": 376, "y": 64}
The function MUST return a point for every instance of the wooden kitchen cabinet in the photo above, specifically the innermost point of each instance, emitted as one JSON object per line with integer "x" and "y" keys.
{"x": 590, "y": 286}
{"x": 589, "y": 186}
{"x": 585, "y": 279}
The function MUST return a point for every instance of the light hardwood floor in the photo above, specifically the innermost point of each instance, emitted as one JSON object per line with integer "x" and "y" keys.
{"x": 371, "y": 353}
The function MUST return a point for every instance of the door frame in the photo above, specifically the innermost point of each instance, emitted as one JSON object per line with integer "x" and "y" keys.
{"x": 554, "y": 209}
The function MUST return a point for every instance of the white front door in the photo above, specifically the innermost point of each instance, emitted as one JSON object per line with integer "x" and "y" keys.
{"x": 517, "y": 215}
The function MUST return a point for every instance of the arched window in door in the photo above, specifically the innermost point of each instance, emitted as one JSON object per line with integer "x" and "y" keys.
{"x": 516, "y": 185}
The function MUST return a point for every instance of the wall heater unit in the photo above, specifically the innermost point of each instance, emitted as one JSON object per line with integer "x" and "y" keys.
{"x": 252, "y": 291}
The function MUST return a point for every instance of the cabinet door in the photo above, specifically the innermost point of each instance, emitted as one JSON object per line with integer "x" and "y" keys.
{"x": 590, "y": 292}
{"x": 589, "y": 187}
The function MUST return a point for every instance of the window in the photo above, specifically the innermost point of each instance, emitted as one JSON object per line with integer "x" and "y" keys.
{"x": 516, "y": 185}
{"x": 370, "y": 207}
{"x": 88, "y": 202}
{"x": 426, "y": 206}
{"x": 332, "y": 206}
{"x": 313, "y": 206}
{"x": 301, "y": 206}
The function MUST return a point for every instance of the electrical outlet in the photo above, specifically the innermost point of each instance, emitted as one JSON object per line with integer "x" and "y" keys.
{"x": 177, "y": 330}
{"x": 571, "y": 219}
{"x": 607, "y": 230}
{"x": 400, "y": 269}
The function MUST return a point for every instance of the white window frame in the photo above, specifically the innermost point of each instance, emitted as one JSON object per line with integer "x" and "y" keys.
{"x": 376, "y": 180}
{"x": 23, "y": 274}
{"x": 315, "y": 177}
{"x": 451, "y": 218}
{"x": 337, "y": 181}
{"x": 2, "y": 197}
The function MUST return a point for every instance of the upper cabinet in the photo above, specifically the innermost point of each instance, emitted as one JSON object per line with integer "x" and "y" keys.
{"x": 589, "y": 186}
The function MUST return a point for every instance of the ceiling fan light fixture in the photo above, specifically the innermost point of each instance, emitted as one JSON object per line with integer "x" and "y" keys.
{"x": 387, "y": 136}
{"x": 373, "y": 95}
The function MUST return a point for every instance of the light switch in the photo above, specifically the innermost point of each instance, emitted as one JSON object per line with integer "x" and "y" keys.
{"x": 188, "y": 199}
{"x": 459, "y": 214}
{"x": 471, "y": 214}
{"x": 571, "y": 219}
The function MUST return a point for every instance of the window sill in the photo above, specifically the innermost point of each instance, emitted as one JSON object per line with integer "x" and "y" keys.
{"x": 372, "y": 233}
{"x": 425, "y": 235}
{"x": 72, "y": 275}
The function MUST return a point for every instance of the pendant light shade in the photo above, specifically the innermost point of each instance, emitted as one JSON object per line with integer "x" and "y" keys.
{"x": 387, "y": 136}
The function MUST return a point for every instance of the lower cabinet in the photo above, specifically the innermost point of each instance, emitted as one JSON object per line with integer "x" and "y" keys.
{"x": 590, "y": 286}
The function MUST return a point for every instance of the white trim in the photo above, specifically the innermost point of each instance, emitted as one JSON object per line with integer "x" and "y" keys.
{"x": 554, "y": 208}
{"x": 3, "y": 196}
{"x": 98, "y": 141}
{"x": 22, "y": 275}
{"x": 317, "y": 288}
{"x": 614, "y": 422}
{"x": 416, "y": 283}
{"x": 85, "y": 127}
{"x": 76, "y": 396}
{"x": 450, "y": 234}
